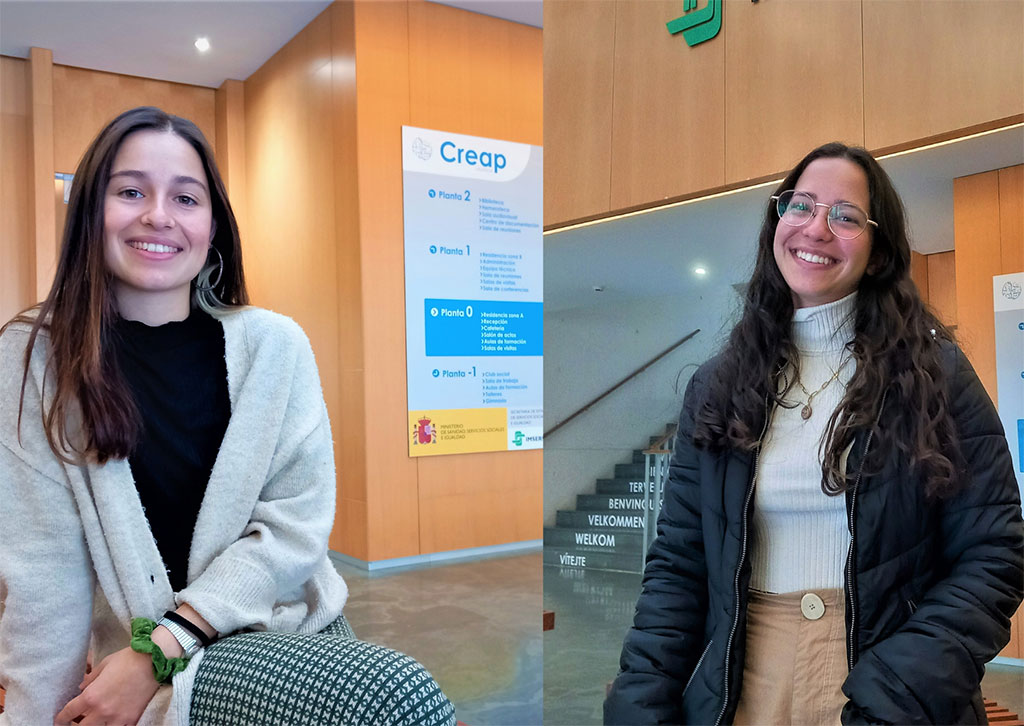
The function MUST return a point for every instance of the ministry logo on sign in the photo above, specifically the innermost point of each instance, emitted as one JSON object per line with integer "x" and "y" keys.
{"x": 1010, "y": 290}
{"x": 421, "y": 148}
{"x": 424, "y": 432}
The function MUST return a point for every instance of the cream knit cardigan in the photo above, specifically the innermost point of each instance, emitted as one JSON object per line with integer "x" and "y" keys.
{"x": 258, "y": 557}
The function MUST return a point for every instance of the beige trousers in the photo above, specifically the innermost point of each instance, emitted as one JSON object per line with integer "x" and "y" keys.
{"x": 794, "y": 667}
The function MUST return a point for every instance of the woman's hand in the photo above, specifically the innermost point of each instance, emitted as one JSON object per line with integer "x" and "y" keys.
{"x": 117, "y": 691}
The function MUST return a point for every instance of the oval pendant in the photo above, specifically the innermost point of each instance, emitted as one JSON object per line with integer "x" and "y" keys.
{"x": 805, "y": 412}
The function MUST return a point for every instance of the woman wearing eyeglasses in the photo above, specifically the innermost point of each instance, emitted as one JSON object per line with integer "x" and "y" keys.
{"x": 167, "y": 477}
{"x": 841, "y": 536}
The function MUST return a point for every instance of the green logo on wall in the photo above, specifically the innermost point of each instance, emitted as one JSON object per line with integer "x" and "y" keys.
{"x": 518, "y": 438}
{"x": 698, "y": 26}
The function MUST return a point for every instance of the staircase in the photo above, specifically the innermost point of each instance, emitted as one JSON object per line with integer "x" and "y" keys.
{"x": 606, "y": 530}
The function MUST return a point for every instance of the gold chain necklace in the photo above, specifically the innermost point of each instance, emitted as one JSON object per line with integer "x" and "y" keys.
{"x": 807, "y": 411}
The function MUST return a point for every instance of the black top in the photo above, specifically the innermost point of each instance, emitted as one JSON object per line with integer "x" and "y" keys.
{"x": 178, "y": 378}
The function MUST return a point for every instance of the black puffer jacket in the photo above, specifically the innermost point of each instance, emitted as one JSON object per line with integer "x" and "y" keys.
{"x": 930, "y": 585}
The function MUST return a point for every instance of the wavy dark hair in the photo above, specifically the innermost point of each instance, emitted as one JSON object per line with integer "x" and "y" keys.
{"x": 896, "y": 347}
{"x": 79, "y": 311}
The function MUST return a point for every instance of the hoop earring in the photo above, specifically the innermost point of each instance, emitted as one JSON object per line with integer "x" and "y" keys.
{"x": 208, "y": 287}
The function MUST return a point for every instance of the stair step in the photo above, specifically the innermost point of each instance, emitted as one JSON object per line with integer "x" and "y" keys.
{"x": 610, "y": 503}
{"x": 566, "y": 557}
{"x": 630, "y": 521}
{"x": 1002, "y": 716}
{"x": 634, "y": 472}
{"x": 622, "y": 487}
{"x": 615, "y": 540}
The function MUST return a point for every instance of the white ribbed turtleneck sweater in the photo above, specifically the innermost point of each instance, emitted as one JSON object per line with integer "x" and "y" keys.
{"x": 799, "y": 536}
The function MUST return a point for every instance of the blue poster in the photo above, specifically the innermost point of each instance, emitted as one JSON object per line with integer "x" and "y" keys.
{"x": 474, "y": 284}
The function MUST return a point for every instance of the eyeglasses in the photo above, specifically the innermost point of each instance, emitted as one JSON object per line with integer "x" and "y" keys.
{"x": 845, "y": 220}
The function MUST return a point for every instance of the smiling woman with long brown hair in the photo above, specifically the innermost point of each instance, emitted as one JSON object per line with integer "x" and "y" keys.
{"x": 167, "y": 475}
{"x": 841, "y": 536}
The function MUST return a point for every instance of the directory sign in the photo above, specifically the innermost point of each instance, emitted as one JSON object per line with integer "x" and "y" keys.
{"x": 473, "y": 293}
{"x": 1008, "y": 298}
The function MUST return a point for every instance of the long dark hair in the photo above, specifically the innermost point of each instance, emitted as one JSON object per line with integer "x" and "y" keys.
{"x": 896, "y": 347}
{"x": 79, "y": 311}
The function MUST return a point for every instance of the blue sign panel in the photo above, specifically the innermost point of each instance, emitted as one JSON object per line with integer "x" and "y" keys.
{"x": 483, "y": 327}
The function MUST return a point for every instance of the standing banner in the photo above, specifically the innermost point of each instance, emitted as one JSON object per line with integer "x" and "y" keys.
{"x": 1008, "y": 301}
{"x": 474, "y": 284}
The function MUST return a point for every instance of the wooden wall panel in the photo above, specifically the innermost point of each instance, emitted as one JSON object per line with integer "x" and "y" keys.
{"x": 1015, "y": 648}
{"x": 977, "y": 251}
{"x": 475, "y": 500}
{"x": 17, "y": 272}
{"x": 932, "y": 67}
{"x": 42, "y": 215}
{"x": 669, "y": 103}
{"x": 350, "y": 532}
{"x": 473, "y": 74}
{"x": 290, "y": 247}
{"x": 85, "y": 100}
{"x": 290, "y": 256}
{"x": 578, "y": 69}
{"x": 382, "y": 71}
{"x": 942, "y": 286}
{"x": 919, "y": 273}
{"x": 792, "y": 82}
{"x": 1011, "y": 218}
{"x": 229, "y": 102}
{"x": 349, "y": 535}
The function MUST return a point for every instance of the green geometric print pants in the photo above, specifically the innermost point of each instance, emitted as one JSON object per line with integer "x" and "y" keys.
{"x": 273, "y": 679}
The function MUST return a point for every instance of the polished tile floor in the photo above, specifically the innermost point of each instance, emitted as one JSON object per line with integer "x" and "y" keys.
{"x": 476, "y": 626}
{"x": 593, "y": 611}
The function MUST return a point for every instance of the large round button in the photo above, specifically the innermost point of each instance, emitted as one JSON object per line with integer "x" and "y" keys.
{"x": 811, "y": 606}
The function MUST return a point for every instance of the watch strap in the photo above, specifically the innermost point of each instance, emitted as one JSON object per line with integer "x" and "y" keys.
{"x": 197, "y": 632}
{"x": 188, "y": 642}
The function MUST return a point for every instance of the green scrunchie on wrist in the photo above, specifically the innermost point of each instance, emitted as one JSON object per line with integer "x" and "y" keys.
{"x": 164, "y": 668}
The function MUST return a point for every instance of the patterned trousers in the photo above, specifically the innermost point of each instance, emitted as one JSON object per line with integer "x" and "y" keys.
{"x": 272, "y": 679}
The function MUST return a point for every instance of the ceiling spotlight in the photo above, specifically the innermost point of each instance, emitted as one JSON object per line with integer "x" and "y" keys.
{"x": 699, "y": 271}
{"x": 202, "y": 44}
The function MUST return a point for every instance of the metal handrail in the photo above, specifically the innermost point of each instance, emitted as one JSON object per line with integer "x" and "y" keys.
{"x": 656, "y": 463}
{"x": 659, "y": 446}
{"x": 625, "y": 380}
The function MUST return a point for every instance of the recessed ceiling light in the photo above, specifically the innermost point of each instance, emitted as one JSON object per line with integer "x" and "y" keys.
{"x": 202, "y": 44}
{"x": 699, "y": 271}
